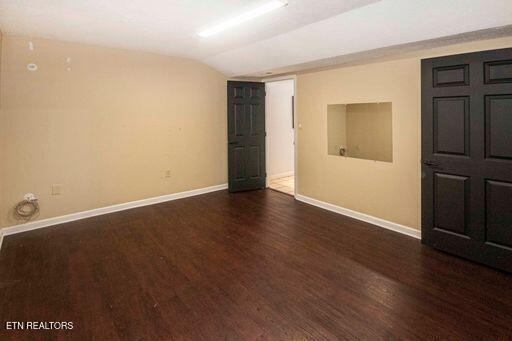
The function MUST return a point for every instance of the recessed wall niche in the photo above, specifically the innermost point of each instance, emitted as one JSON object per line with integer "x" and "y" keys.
{"x": 360, "y": 130}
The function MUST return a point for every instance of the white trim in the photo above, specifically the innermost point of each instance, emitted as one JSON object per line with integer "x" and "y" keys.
{"x": 105, "y": 210}
{"x": 1, "y": 238}
{"x": 279, "y": 175}
{"x": 295, "y": 138}
{"x": 409, "y": 231}
{"x": 278, "y": 78}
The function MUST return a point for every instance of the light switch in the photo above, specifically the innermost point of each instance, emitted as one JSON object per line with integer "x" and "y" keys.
{"x": 56, "y": 189}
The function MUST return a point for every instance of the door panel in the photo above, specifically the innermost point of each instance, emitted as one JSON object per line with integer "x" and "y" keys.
{"x": 257, "y": 124}
{"x": 239, "y": 161}
{"x": 254, "y": 162}
{"x": 246, "y": 135}
{"x": 451, "y": 202}
{"x": 451, "y": 75}
{"x": 498, "y": 115}
{"x": 498, "y": 72}
{"x": 499, "y": 213}
{"x": 451, "y": 125}
{"x": 467, "y": 155}
{"x": 239, "y": 119}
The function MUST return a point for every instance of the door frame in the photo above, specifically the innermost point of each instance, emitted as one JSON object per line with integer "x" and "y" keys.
{"x": 295, "y": 130}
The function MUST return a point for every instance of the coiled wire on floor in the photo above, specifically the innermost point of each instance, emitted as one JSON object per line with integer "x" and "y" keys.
{"x": 26, "y": 209}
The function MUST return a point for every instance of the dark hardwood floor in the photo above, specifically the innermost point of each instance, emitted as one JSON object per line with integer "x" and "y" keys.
{"x": 245, "y": 266}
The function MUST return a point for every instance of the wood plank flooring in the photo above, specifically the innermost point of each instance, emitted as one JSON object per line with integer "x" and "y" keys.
{"x": 246, "y": 266}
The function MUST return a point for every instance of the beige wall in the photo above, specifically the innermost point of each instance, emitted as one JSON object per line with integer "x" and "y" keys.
{"x": 1, "y": 36}
{"x": 389, "y": 191}
{"x": 369, "y": 131}
{"x": 107, "y": 129}
{"x": 1, "y": 143}
{"x": 336, "y": 128}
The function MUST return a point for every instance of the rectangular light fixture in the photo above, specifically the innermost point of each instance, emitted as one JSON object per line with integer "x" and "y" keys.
{"x": 254, "y": 13}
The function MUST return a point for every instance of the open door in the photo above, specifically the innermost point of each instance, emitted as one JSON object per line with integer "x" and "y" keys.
{"x": 467, "y": 156}
{"x": 246, "y": 136}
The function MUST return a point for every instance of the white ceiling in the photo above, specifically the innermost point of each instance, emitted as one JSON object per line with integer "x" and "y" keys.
{"x": 163, "y": 26}
{"x": 408, "y": 50}
{"x": 298, "y": 34}
{"x": 382, "y": 24}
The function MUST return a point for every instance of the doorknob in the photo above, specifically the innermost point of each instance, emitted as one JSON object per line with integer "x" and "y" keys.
{"x": 430, "y": 163}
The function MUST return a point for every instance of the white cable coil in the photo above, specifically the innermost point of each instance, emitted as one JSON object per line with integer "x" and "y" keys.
{"x": 27, "y": 208}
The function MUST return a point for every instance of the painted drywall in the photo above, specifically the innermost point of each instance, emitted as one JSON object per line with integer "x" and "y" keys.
{"x": 364, "y": 130}
{"x": 280, "y": 133}
{"x": 389, "y": 191}
{"x": 106, "y": 125}
{"x": 1, "y": 142}
{"x": 1, "y": 36}
{"x": 336, "y": 128}
{"x": 369, "y": 131}
{"x": 383, "y": 24}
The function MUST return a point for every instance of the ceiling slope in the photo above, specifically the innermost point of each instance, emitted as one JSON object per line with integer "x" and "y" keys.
{"x": 166, "y": 27}
{"x": 408, "y": 50}
{"x": 379, "y": 25}
{"x": 304, "y": 34}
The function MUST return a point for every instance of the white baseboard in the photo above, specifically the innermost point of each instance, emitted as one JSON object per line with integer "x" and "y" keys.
{"x": 361, "y": 216}
{"x": 280, "y": 175}
{"x": 169, "y": 197}
{"x": 105, "y": 210}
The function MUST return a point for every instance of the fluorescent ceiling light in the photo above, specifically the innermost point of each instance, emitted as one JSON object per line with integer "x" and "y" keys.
{"x": 256, "y": 12}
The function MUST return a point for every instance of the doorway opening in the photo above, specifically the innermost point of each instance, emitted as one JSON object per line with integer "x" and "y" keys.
{"x": 280, "y": 141}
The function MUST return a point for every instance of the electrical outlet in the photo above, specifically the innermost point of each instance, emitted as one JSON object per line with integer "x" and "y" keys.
{"x": 168, "y": 173}
{"x": 56, "y": 189}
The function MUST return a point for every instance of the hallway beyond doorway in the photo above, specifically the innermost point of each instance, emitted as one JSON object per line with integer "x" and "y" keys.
{"x": 284, "y": 184}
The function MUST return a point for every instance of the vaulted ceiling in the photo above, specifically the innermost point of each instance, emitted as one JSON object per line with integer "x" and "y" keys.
{"x": 301, "y": 33}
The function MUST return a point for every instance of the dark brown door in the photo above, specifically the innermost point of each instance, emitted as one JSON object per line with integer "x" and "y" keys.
{"x": 246, "y": 136}
{"x": 467, "y": 156}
